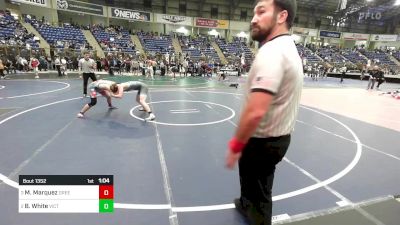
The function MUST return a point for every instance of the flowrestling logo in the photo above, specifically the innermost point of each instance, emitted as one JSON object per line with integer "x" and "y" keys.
{"x": 130, "y": 14}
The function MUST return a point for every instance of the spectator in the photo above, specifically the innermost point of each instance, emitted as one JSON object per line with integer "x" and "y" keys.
{"x": 2, "y": 67}
{"x": 35, "y": 65}
{"x": 372, "y": 78}
{"x": 57, "y": 63}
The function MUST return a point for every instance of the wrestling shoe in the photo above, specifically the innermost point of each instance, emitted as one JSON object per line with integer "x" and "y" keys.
{"x": 150, "y": 117}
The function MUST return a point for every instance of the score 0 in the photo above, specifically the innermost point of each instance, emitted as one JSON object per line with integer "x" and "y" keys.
{"x": 106, "y": 198}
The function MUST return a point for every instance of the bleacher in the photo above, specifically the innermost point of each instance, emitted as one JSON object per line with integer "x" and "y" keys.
{"x": 196, "y": 47}
{"x": 193, "y": 53}
{"x": 13, "y": 33}
{"x": 396, "y": 55}
{"x": 380, "y": 58}
{"x": 156, "y": 44}
{"x": 308, "y": 54}
{"x": 60, "y": 37}
{"x": 235, "y": 48}
{"x": 354, "y": 56}
{"x": 332, "y": 56}
{"x": 238, "y": 43}
{"x": 111, "y": 39}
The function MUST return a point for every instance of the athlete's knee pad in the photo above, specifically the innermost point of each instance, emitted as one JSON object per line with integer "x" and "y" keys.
{"x": 92, "y": 102}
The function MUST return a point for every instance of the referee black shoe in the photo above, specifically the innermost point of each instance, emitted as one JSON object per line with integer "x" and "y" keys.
{"x": 240, "y": 208}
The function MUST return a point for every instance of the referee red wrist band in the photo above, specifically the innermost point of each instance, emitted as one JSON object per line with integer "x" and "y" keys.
{"x": 235, "y": 145}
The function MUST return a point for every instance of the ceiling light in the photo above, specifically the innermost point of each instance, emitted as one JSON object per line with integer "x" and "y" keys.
{"x": 182, "y": 30}
{"x": 213, "y": 32}
{"x": 242, "y": 34}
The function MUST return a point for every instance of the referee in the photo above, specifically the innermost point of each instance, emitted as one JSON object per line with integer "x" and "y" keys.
{"x": 269, "y": 114}
{"x": 87, "y": 66}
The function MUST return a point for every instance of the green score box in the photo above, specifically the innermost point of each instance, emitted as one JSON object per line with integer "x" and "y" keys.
{"x": 106, "y": 205}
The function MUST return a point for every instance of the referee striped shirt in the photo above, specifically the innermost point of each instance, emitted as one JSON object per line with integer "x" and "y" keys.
{"x": 87, "y": 66}
{"x": 277, "y": 70}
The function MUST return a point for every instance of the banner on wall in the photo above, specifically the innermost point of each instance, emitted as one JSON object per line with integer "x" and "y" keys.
{"x": 130, "y": 14}
{"x": 239, "y": 25}
{"x": 172, "y": 19}
{"x": 383, "y": 37}
{"x": 80, "y": 7}
{"x": 305, "y": 31}
{"x": 210, "y": 23}
{"x": 355, "y": 36}
{"x": 42, "y": 3}
{"x": 329, "y": 34}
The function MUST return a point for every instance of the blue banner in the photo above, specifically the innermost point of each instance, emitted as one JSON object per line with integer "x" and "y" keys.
{"x": 329, "y": 34}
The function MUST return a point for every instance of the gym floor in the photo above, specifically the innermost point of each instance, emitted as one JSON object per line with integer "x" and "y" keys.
{"x": 344, "y": 150}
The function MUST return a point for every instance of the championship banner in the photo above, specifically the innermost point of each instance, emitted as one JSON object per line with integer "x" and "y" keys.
{"x": 210, "y": 23}
{"x": 128, "y": 14}
{"x": 355, "y": 36}
{"x": 383, "y": 37}
{"x": 80, "y": 7}
{"x": 305, "y": 31}
{"x": 41, "y": 3}
{"x": 172, "y": 19}
{"x": 329, "y": 34}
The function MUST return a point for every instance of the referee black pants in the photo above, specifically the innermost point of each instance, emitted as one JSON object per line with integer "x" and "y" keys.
{"x": 58, "y": 67}
{"x": 85, "y": 81}
{"x": 256, "y": 171}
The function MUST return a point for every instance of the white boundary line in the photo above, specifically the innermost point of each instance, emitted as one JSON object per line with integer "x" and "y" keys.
{"x": 344, "y": 201}
{"x": 293, "y": 193}
{"x": 5, "y": 179}
{"x": 37, "y": 107}
{"x": 40, "y": 93}
{"x": 344, "y": 138}
{"x": 185, "y": 112}
{"x": 186, "y": 124}
{"x": 182, "y": 110}
{"x": 141, "y": 206}
{"x": 176, "y": 85}
{"x": 16, "y": 171}
{"x": 2, "y": 87}
{"x": 173, "y": 218}
{"x": 337, "y": 176}
{"x": 179, "y": 89}
{"x": 203, "y": 208}
{"x": 221, "y": 206}
{"x": 333, "y": 210}
{"x": 218, "y": 92}
{"x": 384, "y": 153}
{"x": 8, "y": 181}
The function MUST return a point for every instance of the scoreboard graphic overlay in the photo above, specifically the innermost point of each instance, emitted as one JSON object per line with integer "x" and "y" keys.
{"x": 66, "y": 194}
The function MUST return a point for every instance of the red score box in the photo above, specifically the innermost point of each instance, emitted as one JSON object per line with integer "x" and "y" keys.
{"x": 106, "y": 192}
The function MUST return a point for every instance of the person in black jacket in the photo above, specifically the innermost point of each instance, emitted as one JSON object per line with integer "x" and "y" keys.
{"x": 372, "y": 77}
{"x": 380, "y": 78}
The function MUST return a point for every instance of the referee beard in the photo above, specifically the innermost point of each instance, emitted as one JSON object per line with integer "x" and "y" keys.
{"x": 87, "y": 66}
{"x": 269, "y": 114}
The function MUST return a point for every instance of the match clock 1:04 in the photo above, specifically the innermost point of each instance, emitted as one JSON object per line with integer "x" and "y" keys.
{"x": 104, "y": 180}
